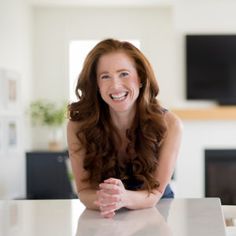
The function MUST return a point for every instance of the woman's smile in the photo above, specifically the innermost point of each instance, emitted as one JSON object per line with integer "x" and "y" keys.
{"x": 121, "y": 96}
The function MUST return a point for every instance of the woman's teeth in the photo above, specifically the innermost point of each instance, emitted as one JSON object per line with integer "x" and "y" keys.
{"x": 119, "y": 96}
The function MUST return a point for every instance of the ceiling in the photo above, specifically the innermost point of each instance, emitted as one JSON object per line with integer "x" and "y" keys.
{"x": 102, "y": 3}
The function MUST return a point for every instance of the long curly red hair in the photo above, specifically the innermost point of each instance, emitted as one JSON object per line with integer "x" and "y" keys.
{"x": 97, "y": 134}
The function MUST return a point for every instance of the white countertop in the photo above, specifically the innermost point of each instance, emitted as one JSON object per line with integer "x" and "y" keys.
{"x": 175, "y": 217}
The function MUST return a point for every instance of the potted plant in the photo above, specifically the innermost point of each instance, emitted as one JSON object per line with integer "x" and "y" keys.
{"x": 51, "y": 115}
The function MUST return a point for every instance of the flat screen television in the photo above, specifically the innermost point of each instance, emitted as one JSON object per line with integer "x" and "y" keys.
{"x": 211, "y": 68}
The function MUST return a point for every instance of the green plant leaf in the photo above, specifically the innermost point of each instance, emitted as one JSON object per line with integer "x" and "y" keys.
{"x": 47, "y": 113}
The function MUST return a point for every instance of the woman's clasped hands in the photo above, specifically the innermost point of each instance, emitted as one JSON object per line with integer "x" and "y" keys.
{"x": 111, "y": 197}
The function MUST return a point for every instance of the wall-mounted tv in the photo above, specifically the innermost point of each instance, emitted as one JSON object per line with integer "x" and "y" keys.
{"x": 211, "y": 68}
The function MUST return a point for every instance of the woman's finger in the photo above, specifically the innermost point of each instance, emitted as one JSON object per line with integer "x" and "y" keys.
{"x": 114, "y": 181}
{"x": 110, "y": 188}
{"x": 108, "y": 214}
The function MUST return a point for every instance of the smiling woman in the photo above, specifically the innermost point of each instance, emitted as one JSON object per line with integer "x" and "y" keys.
{"x": 118, "y": 82}
{"x": 122, "y": 143}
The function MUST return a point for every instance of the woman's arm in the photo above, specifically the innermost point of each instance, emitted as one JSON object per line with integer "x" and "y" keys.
{"x": 169, "y": 151}
{"x": 86, "y": 194}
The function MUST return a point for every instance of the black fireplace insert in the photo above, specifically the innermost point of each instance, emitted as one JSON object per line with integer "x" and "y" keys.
{"x": 220, "y": 175}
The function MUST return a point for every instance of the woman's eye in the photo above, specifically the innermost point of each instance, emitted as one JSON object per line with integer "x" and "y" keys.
{"x": 105, "y": 77}
{"x": 124, "y": 74}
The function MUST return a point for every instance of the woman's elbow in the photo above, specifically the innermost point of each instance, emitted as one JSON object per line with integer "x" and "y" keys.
{"x": 155, "y": 199}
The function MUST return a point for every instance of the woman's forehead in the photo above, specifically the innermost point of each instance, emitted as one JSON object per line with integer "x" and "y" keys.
{"x": 115, "y": 60}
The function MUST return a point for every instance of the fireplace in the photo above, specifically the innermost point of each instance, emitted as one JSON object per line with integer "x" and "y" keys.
{"x": 220, "y": 175}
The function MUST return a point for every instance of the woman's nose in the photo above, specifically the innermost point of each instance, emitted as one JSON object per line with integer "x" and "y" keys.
{"x": 116, "y": 82}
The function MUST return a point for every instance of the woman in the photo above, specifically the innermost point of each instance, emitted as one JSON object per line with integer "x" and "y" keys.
{"x": 122, "y": 144}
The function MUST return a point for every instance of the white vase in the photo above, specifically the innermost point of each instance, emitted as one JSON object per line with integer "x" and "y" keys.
{"x": 55, "y": 139}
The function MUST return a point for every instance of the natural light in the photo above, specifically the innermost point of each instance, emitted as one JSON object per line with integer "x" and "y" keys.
{"x": 78, "y": 50}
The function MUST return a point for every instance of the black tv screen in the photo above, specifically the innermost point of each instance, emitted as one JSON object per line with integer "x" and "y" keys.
{"x": 211, "y": 68}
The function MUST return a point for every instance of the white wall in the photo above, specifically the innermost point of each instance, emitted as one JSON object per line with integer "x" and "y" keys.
{"x": 15, "y": 54}
{"x": 207, "y": 16}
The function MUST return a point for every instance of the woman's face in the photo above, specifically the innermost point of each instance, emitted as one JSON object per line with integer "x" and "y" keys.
{"x": 118, "y": 81}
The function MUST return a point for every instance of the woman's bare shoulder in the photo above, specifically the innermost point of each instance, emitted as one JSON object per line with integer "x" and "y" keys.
{"x": 72, "y": 138}
{"x": 73, "y": 125}
{"x": 173, "y": 121}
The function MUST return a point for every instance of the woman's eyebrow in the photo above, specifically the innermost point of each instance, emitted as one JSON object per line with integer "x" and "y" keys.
{"x": 104, "y": 72}
{"x": 122, "y": 70}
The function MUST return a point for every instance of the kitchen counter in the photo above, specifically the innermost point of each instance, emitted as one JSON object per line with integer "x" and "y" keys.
{"x": 171, "y": 217}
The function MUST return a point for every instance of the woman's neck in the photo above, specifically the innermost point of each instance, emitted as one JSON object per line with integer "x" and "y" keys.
{"x": 122, "y": 120}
